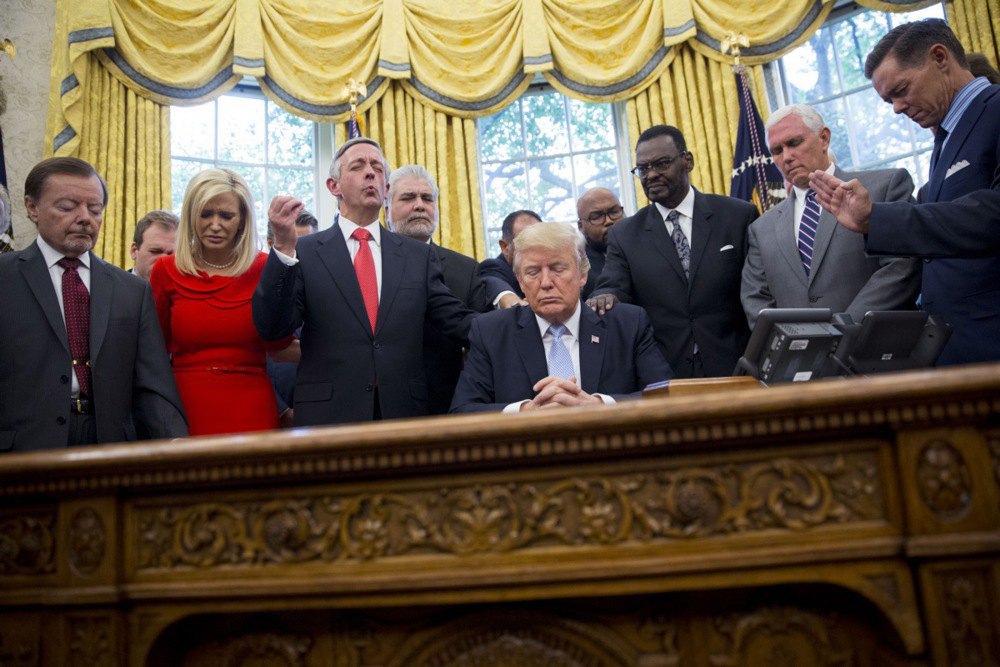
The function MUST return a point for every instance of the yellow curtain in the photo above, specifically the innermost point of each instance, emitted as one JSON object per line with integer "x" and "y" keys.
{"x": 977, "y": 25}
{"x": 412, "y": 133}
{"x": 125, "y": 136}
{"x": 127, "y": 139}
{"x": 698, "y": 95}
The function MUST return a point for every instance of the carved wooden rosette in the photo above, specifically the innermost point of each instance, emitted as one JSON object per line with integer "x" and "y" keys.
{"x": 27, "y": 543}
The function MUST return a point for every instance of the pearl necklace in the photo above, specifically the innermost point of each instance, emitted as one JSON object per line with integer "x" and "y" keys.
{"x": 217, "y": 267}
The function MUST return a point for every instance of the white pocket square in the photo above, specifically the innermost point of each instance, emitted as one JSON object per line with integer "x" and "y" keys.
{"x": 725, "y": 248}
{"x": 957, "y": 167}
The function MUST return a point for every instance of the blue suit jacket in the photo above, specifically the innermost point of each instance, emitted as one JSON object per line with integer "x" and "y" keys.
{"x": 498, "y": 277}
{"x": 956, "y": 228}
{"x": 618, "y": 357}
{"x": 342, "y": 360}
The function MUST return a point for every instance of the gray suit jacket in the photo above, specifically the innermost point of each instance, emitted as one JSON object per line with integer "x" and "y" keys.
{"x": 134, "y": 392}
{"x": 842, "y": 278}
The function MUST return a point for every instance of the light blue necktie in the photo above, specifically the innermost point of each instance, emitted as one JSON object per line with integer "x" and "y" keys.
{"x": 560, "y": 363}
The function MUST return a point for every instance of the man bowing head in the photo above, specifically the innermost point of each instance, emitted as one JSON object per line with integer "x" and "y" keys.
{"x": 553, "y": 352}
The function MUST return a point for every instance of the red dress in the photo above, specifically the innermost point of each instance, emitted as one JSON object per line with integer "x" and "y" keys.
{"x": 218, "y": 357}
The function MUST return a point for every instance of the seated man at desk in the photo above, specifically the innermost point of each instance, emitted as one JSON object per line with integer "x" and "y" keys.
{"x": 554, "y": 352}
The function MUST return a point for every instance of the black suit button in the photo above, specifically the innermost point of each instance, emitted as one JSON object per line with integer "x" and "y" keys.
{"x": 927, "y": 261}
{"x": 64, "y": 379}
{"x": 378, "y": 346}
{"x": 813, "y": 299}
{"x": 60, "y": 420}
{"x": 368, "y": 387}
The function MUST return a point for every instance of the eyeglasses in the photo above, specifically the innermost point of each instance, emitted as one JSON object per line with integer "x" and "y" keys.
{"x": 659, "y": 166}
{"x": 613, "y": 213}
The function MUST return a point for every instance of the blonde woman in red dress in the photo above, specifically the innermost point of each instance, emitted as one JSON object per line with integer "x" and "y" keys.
{"x": 202, "y": 295}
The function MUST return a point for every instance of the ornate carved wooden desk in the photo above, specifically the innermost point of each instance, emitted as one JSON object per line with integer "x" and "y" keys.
{"x": 843, "y": 522}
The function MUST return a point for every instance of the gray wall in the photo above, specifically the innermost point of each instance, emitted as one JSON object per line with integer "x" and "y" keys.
{"x": 25, "y": 82}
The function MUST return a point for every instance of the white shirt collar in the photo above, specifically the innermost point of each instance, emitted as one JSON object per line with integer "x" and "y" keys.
{"x": 52, "y": 255}
{"x": 572, "y": 324}
{"x": 685, "y": 208}
{"x": 348, "y": 226}
{"x": 800, "y": 193}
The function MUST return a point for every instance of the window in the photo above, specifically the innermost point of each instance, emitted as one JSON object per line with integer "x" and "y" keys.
{"x": 542, "y": 152}
{"x": 272, "y": 149}
{"x": 827, "y": 72}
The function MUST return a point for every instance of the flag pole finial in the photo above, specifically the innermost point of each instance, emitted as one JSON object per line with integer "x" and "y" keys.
{"x": 354, "y": 89}
{"x": 732, "y": 43}
{"x": 7, "y": 46}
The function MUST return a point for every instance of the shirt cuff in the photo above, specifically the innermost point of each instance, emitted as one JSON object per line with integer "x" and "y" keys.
{"x": 496, "y": 301}
{"x": 607, "y": 400}
{"x": 514, "y": 408}
{"x": 285, "y": 259}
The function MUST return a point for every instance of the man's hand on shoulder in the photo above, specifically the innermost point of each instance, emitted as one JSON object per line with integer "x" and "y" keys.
{"x": 281, "y": 216}
{"x": 509, "y": 300}
{"x": 554, "y": 392}
{"x": 602, "y": 303}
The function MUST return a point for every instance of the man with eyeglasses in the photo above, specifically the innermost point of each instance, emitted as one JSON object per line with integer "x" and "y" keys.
{"x": 681, "y": 259}
{"x": 597, "y": 209}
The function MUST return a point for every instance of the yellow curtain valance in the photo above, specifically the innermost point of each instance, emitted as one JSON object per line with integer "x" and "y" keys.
{"x": 467, "y": 58}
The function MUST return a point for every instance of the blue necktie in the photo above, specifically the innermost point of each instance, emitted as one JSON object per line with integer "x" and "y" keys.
{"x": 807, "y": 230}
{"x": 560, "y": 363}
{"x": 680, "y": 242}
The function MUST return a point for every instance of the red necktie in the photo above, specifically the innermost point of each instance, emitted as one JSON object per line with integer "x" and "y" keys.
{"x": 76, "y": 305}
{"x": 364, "y": 267}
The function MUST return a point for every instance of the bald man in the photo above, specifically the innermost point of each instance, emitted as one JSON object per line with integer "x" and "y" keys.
{"x": 597, "y": 211}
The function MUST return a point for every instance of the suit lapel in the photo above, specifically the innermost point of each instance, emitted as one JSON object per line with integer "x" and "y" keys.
{"x": 701, "y": 231}
{"x": 529, "y": 345}
{"x": 36, "y": 274}
{"x": 592, "y": 344}
{"x": 333, "y": 253}
{"x": 657, "y": 236}
{"x": 785, "y": 240}
{"x": 101, "y": 298}
{"x": 955, "y": 142}
{"x": 393, "y": 261}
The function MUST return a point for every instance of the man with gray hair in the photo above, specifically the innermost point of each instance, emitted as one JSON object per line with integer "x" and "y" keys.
{"x": 357, "y": 291}
{"x": 554, "y": 351}
{"x": 798, "y": 256}
{"x": 413, "y": 212}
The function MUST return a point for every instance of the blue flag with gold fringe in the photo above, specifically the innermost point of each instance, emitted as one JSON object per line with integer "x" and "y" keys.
{"x": 755, "y": 177}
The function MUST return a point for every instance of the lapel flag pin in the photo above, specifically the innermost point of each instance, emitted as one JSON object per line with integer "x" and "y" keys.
{"x": 595, "y": 339}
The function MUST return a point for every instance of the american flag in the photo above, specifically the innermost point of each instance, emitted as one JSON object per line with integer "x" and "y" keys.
{"x": 755, "y": 177}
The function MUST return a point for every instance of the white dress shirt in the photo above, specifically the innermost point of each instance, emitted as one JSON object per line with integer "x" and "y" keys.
{"x": 52, "y": 257}
{"x": 799, "y": 203}
{"x": 686, "y": 215}
{"x": 347, "y": 228}
{"x": 571, "y": 339}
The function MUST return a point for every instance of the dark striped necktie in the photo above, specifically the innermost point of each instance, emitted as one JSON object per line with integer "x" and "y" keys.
{"x": 807, "y": 230}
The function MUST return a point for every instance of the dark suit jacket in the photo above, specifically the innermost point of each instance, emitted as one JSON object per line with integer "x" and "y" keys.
{"x": 956, "y": 228}
{"x": 443, "y": 357}
{"x": 618, "y": 357}
{"x": 342, "y": 360}
{"x": 596, "y": 258}
{"x": 498, "y": 277}
{"x": 643, "y": 268}
{"x": 135, "y": 397}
